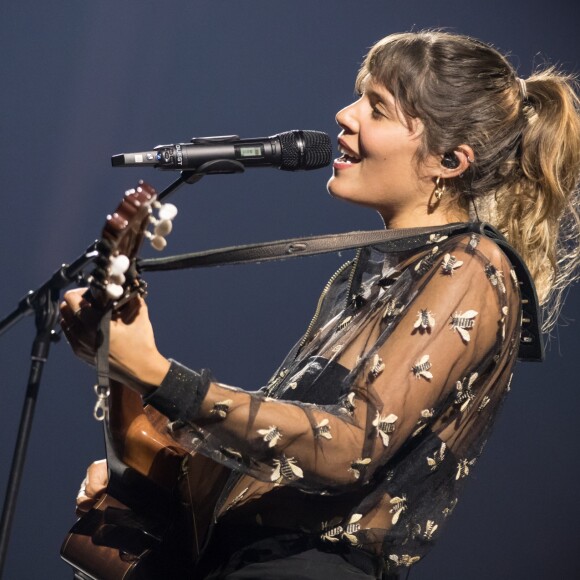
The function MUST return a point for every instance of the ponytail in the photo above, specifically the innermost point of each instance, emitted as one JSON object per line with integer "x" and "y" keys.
{"x": 539, "y": 210}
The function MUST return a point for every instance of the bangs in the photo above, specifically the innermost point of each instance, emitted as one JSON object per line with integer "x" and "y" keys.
{"x": 400, "y": 64}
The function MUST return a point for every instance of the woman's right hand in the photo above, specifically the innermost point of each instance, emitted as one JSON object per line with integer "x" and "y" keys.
{"x": 93, "y": 486}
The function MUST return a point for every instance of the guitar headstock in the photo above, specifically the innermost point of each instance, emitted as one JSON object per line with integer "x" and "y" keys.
{"x": 115, "y": 277}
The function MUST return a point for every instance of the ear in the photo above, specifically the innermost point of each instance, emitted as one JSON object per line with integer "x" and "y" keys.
{"x": 439, "y": 166}
{"x": 463, "y": 157}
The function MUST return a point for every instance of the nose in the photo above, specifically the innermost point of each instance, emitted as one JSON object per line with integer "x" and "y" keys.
{"x": 347, "y": 118}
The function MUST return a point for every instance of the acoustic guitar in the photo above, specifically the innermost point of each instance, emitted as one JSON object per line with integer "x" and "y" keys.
{"x": 154, "y": 518}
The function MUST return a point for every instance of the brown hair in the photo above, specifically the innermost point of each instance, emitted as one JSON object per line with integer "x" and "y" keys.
{"x": 525, "y": 136}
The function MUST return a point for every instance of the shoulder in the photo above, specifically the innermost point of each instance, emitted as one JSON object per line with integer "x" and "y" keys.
{"x": 467, "y": 268}
{"x": 448, "y": 254}
{"x": 478, "y": 250}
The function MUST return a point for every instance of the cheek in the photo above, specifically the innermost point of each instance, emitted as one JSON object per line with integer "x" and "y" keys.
{"x": 397, "y": 153}
{"x": 386, "y": 143}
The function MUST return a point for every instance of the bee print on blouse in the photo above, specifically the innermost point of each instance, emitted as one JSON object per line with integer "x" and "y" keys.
{"x": 484, "y": 402}
{"x": 286, "y": 468}
{"x": 426, "y": 414}
{"x": 221, "y": 408}
{"x": 323, "y": 429}
{"x": 427, "y": 532}
{"x": 421, "y": 368}
{"x": 430, "y": 529}
{"x": 472, "y": 244}
{"x": 392, "y": 308}
{"x": 332, "y": 533}
{"x": 404, "y": 559}
{"x": 463, "y": 468}
{"x": 495, "y": 276}
{"x": 348, "y": 405}
{"x": 450, "y": 264}
{"x": 463, "y": 322}
{"x": 438, "y": 457}
{"x": 344, "y": 323}
{"x": 358, "y": 465}
{"x": 436, "y": 238}
{"x": 398, "y": 506}
{"x": 426, "y": 263}
{"x": 464, "y": 393}
{"x": 378, "y": 366}
{"x": 425, "y": 321}
{"x": 351, "y": 528}
{"x": 271, "y": 435}
{"x": 385, "y": 426}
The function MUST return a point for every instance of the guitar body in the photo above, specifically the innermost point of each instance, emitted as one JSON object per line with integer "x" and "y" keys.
{"x": 160, "y": 527}
{"x": 153, "y": 521}
{"x": 100, "y": 548}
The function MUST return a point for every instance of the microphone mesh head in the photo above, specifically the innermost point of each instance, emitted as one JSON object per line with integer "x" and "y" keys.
{"x": 305, "y": 150}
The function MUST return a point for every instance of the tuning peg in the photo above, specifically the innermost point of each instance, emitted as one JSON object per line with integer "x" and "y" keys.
{"x": 118, "y": 265}
{"x": 163, "y": 228}
{"x": 157, "y": 242}
{"x": 114, "y": 291}
{"x": 167, "y": 211}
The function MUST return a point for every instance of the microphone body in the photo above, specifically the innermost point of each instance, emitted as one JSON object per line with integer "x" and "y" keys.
{"x": 289, "y": 151}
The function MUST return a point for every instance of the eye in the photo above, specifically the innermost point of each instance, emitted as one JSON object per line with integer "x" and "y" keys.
{"x": 377, "y": 113}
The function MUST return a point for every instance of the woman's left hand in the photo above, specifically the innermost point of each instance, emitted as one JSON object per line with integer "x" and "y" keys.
{"x": 93, "y": 486}
{"x": 133, "y": 354}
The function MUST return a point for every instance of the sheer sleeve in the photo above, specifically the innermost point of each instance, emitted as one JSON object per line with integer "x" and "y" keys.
{"x": 420, "y": 340}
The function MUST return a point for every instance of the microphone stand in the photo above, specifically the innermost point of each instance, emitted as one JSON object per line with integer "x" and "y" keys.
{"x": 44, "y": 303}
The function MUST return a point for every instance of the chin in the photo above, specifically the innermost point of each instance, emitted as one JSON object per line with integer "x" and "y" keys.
{"x": 334, "y": 188}
{"x": 341, "y": 190}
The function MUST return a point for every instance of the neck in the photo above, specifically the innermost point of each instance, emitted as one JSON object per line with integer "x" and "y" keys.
{"x": 420, "y": 219}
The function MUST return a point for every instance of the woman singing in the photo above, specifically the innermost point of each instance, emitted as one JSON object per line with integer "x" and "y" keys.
{"x": 350, "y": 460}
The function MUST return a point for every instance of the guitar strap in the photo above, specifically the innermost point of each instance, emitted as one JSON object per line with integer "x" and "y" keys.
{"x": 401, "y": 240}
{"x": 102, "y": 388}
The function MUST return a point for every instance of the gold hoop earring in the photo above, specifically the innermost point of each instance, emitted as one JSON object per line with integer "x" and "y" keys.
{"x": 439, "y": 188}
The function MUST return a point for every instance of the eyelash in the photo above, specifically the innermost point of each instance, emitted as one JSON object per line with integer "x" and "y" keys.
{"x": 376, "y": 114}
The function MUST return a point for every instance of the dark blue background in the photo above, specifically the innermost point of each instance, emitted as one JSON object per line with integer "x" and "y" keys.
{"x": 81, "y": 81}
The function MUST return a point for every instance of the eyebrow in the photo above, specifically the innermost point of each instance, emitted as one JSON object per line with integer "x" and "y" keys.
{"x": 374, "y": 95}
{"x": 391, "y": 106}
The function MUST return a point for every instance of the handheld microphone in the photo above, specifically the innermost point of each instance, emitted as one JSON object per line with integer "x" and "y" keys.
{"x": 289, "y": 151}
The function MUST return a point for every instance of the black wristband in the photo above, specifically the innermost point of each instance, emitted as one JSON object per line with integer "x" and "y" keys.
{"x": 180, "y": 394}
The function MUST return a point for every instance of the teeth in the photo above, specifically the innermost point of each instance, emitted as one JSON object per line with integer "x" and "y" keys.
{"x": 348, "y": 155}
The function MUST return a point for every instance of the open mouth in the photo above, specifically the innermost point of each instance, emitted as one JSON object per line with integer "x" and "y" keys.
{"x": 347, "y": 156}
{"x": 348, "y": 159}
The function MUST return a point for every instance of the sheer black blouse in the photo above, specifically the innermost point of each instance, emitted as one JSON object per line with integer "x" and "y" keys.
{"x": 366, "y": 433}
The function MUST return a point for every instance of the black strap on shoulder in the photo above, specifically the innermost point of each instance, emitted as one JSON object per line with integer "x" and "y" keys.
{"x": 531, "y": 341}
{"x": 400, "y": 240}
